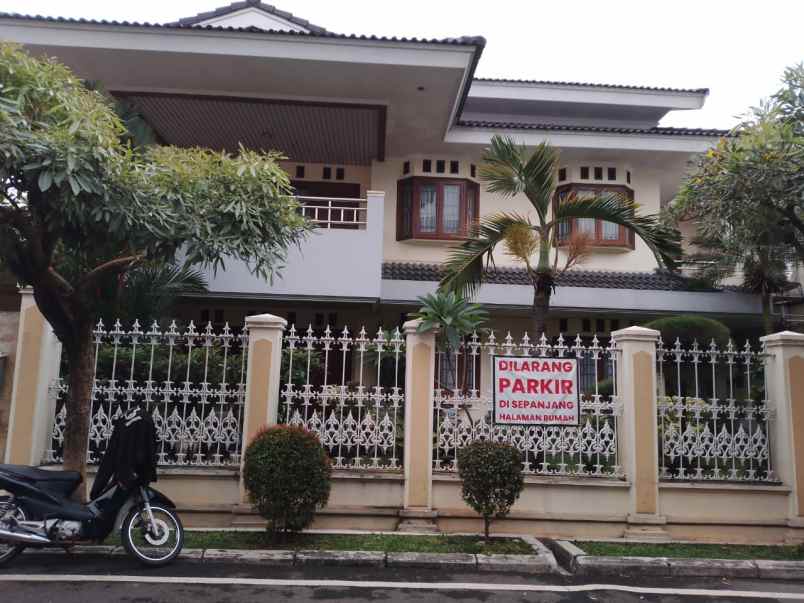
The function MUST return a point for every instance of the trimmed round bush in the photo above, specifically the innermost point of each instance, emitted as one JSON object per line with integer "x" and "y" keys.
{"x": 690, "y": 327}
{"x": 492, "y": 479}
{"x": 287, "y": 474}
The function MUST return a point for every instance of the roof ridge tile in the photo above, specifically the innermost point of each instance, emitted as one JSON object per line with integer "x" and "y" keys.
{"x": 658, "y": 280}
{"x": 505, "y": 80}
{"x": 658, "y": 130}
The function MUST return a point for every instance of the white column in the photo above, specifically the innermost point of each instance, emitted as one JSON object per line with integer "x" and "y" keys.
{"x": 263, "y": 376}
{"x": 784, "y": 382}
{"x": 419, "y": 379}
{"x": 36, "y": 367}
{"x": 638, "y": 437}
{"x": 375, "y": 227}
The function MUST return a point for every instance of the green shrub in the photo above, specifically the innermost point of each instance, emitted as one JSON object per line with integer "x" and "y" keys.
{"x": 492, "y": 479}
{"x": 690, "y": 327}
{"x": 605, "y": 388}
{"x": 287, "y": 474}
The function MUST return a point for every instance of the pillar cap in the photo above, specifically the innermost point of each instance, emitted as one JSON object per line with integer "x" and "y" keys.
{"x": 783, "y": 338}
{"x": 636, "y": 334}
{"x": 411, "y": 327}
{"x": 266, "y": 321}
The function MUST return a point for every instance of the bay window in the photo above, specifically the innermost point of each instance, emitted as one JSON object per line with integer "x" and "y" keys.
{"x": 436, "y": 208}
{"x": 601, "y": 233}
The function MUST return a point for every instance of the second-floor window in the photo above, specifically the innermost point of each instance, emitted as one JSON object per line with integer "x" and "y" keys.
{"x": 436, "y": 208}
{"x": 600, "y": 232}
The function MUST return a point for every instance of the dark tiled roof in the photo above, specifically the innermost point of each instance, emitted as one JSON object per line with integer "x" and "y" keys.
{"x": 236, "y": 6}
{"x": 590, "y": 85}
{"x": 478, "y": 42}
{"x": 657, "y": 130}
{"x": 655, "y": 281}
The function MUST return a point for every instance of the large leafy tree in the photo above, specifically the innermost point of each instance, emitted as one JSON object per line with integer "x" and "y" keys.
{"x": 80, "y": 207}
{"x": 510, "y": 170}
{"x": 746, "y": 197}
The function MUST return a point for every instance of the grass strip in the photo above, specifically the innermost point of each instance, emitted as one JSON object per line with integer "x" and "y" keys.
{"x": 692, "y": 551}
{"x": 387, "y": 543}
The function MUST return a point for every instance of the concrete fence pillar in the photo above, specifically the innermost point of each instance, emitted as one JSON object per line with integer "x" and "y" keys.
{"x": 420, "y": 351}
{"x": 36, "y": 366}
{"x": 784, "y": 381}
{"x": 263, "y": 377}
{"x": 638, "y": 437}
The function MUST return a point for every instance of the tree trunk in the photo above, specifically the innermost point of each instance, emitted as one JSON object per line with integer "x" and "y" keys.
{"x": 541, "y": 307}
{"x": 486, "y": 526}
{"x": 80, "y": 356}
{"x": 767, "y": 318}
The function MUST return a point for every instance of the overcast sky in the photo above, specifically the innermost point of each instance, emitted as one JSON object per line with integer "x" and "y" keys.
{"x": 736, "y": 48}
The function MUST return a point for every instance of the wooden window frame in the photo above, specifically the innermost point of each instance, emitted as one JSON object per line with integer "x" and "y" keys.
{"x": 626, "y": 238}
{"x": 410, "y": 229}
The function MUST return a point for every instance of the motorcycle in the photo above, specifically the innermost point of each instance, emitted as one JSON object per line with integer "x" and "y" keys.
{"x": 38, "y": 513}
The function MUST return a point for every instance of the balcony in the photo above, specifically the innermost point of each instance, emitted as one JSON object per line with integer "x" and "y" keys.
{"x": 335, "y": 213}
{"x": 342, "y": 257}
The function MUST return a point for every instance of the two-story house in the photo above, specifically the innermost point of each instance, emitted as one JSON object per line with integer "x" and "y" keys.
{"x": 384, "y": 137}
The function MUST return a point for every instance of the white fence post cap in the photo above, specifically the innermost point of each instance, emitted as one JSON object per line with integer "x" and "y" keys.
{"x": 266, "y": 321}
{"x": 636, "y": 334}
{"x": 783, "y": 338}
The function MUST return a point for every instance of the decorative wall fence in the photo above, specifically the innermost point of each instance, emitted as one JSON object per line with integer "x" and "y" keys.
{"x": 191, "y": 381}
{"x": 713, "y": 413}
{"x": 464, "y": 414}
{"x": 348, "y": 389}
{"x": 387, "y": 401}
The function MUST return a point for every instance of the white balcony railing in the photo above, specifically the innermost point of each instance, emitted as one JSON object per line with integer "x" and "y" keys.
{"x": 335, "y": 212}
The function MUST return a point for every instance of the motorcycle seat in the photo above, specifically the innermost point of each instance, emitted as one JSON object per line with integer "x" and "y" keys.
{"x": 41, "y": 475}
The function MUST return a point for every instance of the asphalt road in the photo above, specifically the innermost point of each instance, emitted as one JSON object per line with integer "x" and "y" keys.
{"x": 83, "y": 579}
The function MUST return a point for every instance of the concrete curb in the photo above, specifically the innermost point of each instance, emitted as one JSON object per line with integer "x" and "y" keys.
{"x": 542, "y": 562}
{"x": 576, "y": 561}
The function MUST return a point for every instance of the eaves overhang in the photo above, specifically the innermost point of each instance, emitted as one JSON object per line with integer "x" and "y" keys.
{"x": 309, "y": 66}
{"x": 588, "y": 94}
{"x": 684, "y": 140}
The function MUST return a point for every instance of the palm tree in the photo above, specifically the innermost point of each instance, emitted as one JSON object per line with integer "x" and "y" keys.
{"x": 509, "y": 169}
{"x": 149, "y": 291}
{"x": 453, "y": 318}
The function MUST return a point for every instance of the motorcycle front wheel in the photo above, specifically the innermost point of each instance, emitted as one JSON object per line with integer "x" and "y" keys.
{"x": 154, "y": 544}
{"x": 9, "y": 510}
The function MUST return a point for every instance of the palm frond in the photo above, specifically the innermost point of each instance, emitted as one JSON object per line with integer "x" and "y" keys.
{"x": 663, "y": 240}
{"x": 463, "y": 270}
{"x": 540, "y": 177}
{"x": 509, "y": 170}
{"x": 502, "y": 167}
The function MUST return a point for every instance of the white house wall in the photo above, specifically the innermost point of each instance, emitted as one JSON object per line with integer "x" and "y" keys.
{"x": 329, "y": 263}
{"x": 384, "y": 176}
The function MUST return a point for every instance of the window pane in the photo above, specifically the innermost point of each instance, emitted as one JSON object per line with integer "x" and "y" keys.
{"x": 427, "y": 208}
{"x": 586, "y": 225}
{"x": 452, "y": 208}
{"x": 611, "y": 231}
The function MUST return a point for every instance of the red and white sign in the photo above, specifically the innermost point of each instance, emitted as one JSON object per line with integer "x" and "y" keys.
{"x": 536, "y": 391}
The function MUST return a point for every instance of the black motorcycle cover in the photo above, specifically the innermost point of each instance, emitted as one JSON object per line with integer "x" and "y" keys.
{"x": 130, "y": 458}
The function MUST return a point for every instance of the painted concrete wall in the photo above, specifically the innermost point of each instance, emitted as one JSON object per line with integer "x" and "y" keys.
{"x": 644, "y": 181}
{"x": 587, "y": 298}
{"x": 330, "y": 263}
{"x": 9, "y": 323}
